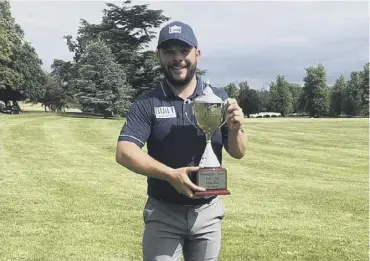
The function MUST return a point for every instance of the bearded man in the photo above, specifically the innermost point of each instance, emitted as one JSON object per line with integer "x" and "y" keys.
{"x": 176, "y": 222}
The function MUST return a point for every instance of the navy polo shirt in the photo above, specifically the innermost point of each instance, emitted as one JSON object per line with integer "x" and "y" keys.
{"x": 158, "y": 119}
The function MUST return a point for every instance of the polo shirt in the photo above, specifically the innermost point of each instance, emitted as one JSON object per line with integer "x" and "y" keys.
{"x": 165, "y": 123}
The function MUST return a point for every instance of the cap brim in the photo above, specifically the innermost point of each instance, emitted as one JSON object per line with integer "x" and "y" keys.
{"x": 175, "y": 39}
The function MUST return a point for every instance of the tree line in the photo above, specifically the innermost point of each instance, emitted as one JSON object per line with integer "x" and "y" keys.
{"x": 314, "y": 97}
{"x": 112, "y": 66}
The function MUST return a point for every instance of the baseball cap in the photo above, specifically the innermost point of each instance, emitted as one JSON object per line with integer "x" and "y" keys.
{"x": 179, "y": 31}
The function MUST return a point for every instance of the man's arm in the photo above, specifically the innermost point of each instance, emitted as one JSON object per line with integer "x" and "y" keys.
{"x": 236, "y": 144}
{"x": 133, "y": 136}
{"x": 135, "y": 159}
{"x": 130, "y": 155}
{"x": 236, "y": 137}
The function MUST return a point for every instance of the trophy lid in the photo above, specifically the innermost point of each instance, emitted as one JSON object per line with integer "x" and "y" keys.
{"x": 208, "y": 95}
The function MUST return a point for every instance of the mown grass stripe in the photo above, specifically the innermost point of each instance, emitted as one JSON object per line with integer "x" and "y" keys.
{"x": 301, "y": 192}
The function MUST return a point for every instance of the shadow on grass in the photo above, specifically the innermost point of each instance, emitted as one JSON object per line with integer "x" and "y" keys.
{"x": 82, "y": 115}
{"x": 25, "y": 112}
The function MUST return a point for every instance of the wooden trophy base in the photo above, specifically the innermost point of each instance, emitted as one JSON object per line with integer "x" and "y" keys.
{"x": 214, "y": 180}
{"x": 212, "y": 192}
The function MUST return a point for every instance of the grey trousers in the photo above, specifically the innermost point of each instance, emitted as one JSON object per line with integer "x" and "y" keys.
{"x": 172, "y": 231}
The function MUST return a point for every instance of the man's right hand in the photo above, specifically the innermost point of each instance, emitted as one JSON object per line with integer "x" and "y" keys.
{"x": 179, "y": 178}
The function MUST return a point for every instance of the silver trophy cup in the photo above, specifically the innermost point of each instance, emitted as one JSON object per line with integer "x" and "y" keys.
{"x": 209, "y": 111}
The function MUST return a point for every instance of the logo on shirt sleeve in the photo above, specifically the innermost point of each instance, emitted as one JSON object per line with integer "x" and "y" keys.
{"x": 165, "y": 112}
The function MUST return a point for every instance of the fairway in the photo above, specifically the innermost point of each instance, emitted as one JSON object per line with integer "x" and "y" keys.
{"x": 300, "y": 193}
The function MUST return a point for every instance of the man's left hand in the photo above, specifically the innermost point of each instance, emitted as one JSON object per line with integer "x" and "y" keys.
{"x": 234, "y": 114}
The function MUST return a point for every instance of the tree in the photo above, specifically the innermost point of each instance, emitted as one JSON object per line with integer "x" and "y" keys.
{"x": 127, "y": 31}
{"x": 28, "y": 64}
{"x": 337, "y": 97}
{"x": 62, "y": 71}
{"x": 54, "y": 97}
{"x": 314, "y": 91}
{"x": 101, "y": 82}
{"x": 353, "y": 95}
{"x": 63, "y": 74}
{"x": 21, "y": 75}
{"x": 364, "y": 86}
{"x": 280, "y": 97}
{"x": 232, "y": 90}
{"x": 201, "y": 72}
{"x": 10, "y": 43}
{"x": 263, "y": 97}
{"x": 247, "y": 99}
{"x": 59, "y": 90}
{"x": 296, "y": 90}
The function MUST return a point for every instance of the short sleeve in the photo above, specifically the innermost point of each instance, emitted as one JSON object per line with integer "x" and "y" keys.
{"x": 138, "y": 124}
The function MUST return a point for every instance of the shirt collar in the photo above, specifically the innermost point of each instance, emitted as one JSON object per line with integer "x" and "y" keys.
{"x": 167, "y": 91}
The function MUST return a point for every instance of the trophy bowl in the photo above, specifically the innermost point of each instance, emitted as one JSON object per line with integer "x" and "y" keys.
{"x": 209, "y": 111}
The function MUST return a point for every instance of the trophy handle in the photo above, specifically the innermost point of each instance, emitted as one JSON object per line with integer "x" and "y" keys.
{"x": 224, "y": 115}
{"x": 186, "y": 113}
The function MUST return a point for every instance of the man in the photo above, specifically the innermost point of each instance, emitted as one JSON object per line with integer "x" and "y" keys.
{"x": 177, "y": 223}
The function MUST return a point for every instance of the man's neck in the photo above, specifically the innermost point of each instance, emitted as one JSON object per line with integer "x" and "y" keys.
{"x": 186, "y": 90}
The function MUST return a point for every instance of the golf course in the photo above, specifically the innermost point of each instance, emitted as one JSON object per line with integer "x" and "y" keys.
{"x": 300, "y": 193}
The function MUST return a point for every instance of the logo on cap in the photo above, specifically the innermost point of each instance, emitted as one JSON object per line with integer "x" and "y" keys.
{"x": 174, "y": 29}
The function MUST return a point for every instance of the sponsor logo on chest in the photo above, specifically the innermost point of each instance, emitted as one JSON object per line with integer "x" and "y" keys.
{"x": 165, "y": 112}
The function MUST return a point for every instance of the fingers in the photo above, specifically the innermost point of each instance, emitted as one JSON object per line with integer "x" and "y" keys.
{"x": 184, "y": 185}
{"x": 189, "y": 188}
{"x": 191, "y": 169}
{"x": 234, "y": 112}
{"x": 187, "y": 192}
{"x": 230, "y": 101}
{"x": 236, "y": 115}
{"x": 195, "y": 187}
{"x": 233, "y": 107}
{"x": 190, "y": 184}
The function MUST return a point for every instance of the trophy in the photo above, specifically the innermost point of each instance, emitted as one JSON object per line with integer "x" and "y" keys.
{"x": 209, "y": 110}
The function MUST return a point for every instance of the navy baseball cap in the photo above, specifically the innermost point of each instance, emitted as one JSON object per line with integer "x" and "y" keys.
{"x": 178, "y": 31}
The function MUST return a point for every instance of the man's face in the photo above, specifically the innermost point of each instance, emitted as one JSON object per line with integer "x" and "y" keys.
{"x": 178, "y": 62}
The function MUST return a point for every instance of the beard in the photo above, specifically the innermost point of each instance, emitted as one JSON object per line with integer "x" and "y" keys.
{"x": 191, "y": 69}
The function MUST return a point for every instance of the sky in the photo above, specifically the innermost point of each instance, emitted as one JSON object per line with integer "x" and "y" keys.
{"x": 239, "y": 40}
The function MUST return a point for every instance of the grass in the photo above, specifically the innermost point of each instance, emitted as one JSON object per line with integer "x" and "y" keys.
{"x": 301, "y": 192}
